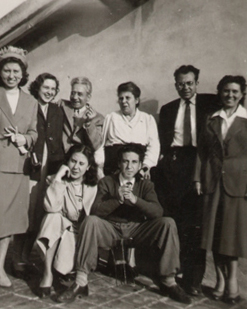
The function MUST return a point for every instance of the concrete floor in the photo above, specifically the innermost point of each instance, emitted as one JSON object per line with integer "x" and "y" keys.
{"x": 106, "y": 292}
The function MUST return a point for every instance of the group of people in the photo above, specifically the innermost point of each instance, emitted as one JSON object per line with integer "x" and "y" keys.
{"x": 74, "y": 182}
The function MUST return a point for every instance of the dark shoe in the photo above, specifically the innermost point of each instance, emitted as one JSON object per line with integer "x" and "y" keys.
{"x": 175, "y": 292}
{"x": 232, "y": 298}
{"x": 193, "y": 291}
{"x": 44, "y": 292}
{"x": 73, "y": 292}
{"x": 19, "y": 271}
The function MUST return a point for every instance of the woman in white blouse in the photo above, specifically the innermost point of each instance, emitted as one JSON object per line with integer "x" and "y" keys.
{"x": 68, "y": 200}
{"x": 130, "y": 125}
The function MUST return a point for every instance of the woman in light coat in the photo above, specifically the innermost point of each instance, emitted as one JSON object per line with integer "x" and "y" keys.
{"x": 18, "y": 119}
{"x": 222, "y": 171}
{"x": 68, "y": 200}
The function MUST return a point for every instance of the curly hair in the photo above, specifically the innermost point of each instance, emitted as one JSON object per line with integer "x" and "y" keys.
{"x": 229, "y": 79}
{"x": 38, "y": 82}
{"x": 25, "y": 75}
{"x": 81, "y": 80}
{"x": 91, "y": 175}
{"x": 131, "y": 147}
{"x": 185, "y": 69}
{"x": 130, "y": 87}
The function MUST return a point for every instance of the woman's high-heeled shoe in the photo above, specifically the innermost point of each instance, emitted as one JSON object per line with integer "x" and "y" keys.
{"x": 44, "y": 292}
{"x": 231, "y": 298}
{"x": 217, "y": 295}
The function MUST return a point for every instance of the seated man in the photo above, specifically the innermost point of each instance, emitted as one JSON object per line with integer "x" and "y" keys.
{"x": 127, "y": 206}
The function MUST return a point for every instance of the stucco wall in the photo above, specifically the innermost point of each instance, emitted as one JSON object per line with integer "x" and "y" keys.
{"x": 116, "y": 43}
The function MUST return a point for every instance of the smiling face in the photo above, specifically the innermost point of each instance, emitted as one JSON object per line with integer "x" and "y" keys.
{"x": 186, "y": 85}
{"x": 127, "y": 103}
{"x": 130, "y": 165}
{"x": 79, "y": 96}
{"x": 11, "y": 75}
{"x": 230, "y": 95}
{"x": 47, "y": 91}
{"x": 78, "y": 165}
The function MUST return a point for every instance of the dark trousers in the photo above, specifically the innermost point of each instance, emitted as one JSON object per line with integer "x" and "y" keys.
{"x": 174, "y": 185}
{"x": 97, "y": 233}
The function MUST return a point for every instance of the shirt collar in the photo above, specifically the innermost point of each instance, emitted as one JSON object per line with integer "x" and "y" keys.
{"x": 123, "y": 181}
{"x": 192, "y": 100}
{"x": 240, "y": 112}
{"x": 135, "y": 117}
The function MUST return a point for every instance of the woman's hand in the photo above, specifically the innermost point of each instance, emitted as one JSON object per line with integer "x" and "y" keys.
{"x": 20, "y": 140}
{"x": 145, "y": 172}
{"x": 198, "y": 187}
{"x": 62, "y": 172}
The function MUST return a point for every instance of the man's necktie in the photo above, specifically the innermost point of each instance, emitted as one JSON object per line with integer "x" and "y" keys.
{"x": 187, "y": 125}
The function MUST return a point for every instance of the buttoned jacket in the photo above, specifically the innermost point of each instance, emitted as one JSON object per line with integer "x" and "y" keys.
{"x": 205, "y": 104}
{"x": 25, "y": 119}
{"x": 226, "y": 160}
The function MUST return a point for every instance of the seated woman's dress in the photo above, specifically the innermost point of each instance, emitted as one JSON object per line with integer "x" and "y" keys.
{"x": 66, "y": 205}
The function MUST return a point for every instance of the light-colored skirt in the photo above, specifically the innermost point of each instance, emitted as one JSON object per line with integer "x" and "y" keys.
{"x": 54, "y": 227}
{"x": 14, "y": 202}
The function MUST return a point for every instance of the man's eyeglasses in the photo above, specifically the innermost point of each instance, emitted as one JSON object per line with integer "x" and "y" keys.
{"x": 181, "y": 85}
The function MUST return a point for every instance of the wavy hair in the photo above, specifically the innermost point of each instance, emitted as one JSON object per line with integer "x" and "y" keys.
{"x": 91, "y": 175}
{"x": 25, "y": 75}
{"x": 38, "y": 82}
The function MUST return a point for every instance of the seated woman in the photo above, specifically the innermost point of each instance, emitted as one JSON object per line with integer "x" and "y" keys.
{"x": 130, "y": 125}
{"x": 68, "y": 200}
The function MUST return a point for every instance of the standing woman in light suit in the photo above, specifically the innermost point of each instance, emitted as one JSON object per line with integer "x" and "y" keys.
{"x": 222, "y": 178}
{"x": 18, "y": 114}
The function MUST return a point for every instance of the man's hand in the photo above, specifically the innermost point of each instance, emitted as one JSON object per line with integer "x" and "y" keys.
{"x": 125, "y": 193}
{"x": 90, "y": 112}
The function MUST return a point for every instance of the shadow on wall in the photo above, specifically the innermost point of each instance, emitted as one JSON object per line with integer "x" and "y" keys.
{"x": 150, "y": 107}
{"x": 86, "y": 18}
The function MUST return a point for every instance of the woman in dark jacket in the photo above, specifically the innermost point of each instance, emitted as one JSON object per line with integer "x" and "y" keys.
{"x": 47, "y": 154}
{"x": 223, "y": 181}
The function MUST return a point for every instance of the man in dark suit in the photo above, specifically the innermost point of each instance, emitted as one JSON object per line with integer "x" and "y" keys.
{"x": 180, "y": 126}
{"x": 126, "y": 206}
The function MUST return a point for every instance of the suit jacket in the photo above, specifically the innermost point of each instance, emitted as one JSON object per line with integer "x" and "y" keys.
{"x": 87, "y": 132}
{"x": 205, "y": 104}
{"x": 223, "y": 159}
{"x": 107, "y": 205}
{"x": 50, "y": 131}
{"x": 25, "y": 119}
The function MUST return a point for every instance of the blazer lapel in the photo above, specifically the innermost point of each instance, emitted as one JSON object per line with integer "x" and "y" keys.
{"x": 235, "y": 128}
{"x": 4, "y": 106}
{"x": 69, "y": 113}
{"x": 22, "y": 109}
{"x": 215, "y": 125}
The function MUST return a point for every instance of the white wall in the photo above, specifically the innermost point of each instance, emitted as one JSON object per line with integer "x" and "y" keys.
{"x": 145, "y": 45}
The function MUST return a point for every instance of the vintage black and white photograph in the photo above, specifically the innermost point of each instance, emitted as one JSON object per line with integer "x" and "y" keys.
{"x": 123, "y": 154}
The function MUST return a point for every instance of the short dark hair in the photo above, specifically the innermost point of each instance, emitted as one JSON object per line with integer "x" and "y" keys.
{"x": 25, "y": 75}
{"x": 38, "y": 82}
{"x": 132, "y": 147}
{"x": 237, "y": 79}
{"x": 91, "y": 176}
{"x": 185, "y": 69}
{"x": 131, "y": 87}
